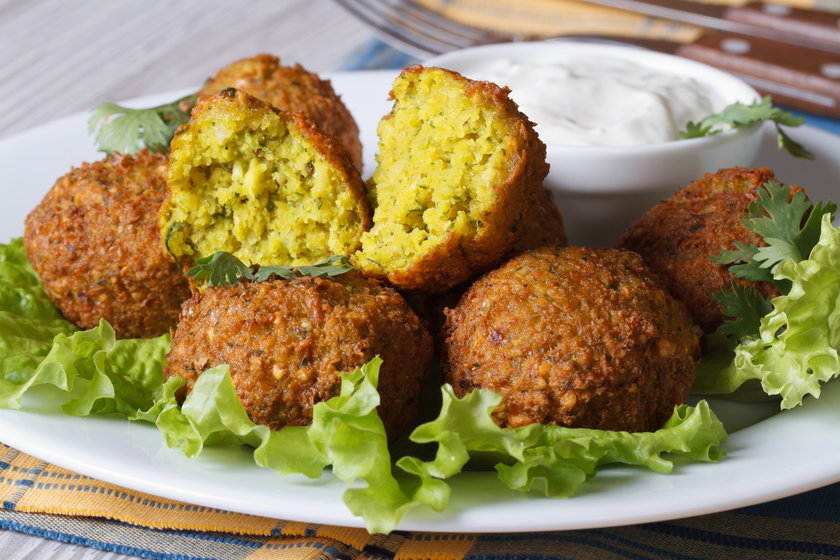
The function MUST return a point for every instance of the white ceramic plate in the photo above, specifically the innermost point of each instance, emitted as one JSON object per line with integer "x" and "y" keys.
{"x": 778, "y": 455}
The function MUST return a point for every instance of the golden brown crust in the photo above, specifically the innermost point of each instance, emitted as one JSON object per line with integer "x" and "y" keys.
{"x": 95, "y": 242}
{"x": 543, "y": 225}
{"x": 573, "y": 336}
{"x": 458, "y": 258}
{"x": 676, "y": 238}
{"x": 287, "y": 340}
{"x": 291, "y": 88}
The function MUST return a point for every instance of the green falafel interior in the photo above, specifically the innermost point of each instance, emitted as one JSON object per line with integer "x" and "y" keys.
{"x": 93, "y": 373}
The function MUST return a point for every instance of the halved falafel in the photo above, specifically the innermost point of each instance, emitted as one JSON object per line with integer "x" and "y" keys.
{"x": 94, "y": 241}
{"x": 262, "y": 184}
{"x": 291, "y": 88}
{"x": 677, "y": 237}
{"x": 573, "y": 336}
{"x": 458, "y": 168}
{"x": 286, "y": 342}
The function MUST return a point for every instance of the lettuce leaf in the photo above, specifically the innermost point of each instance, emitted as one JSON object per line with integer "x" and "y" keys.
{"x": 346, "y": 433}
{"x": 97, "y": 374}
{"x": 796, "y": 349}
{"x": 28, "y": 319}
{"x": 554, "y": 460}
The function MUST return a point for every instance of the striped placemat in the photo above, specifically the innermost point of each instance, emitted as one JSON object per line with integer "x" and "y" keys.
{"x": 42, "y": 499}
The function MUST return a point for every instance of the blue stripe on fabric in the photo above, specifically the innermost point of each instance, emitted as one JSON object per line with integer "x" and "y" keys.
{"x": 817, "y": 121}
{"x": 100, "y": 545}
{"x": 551, "y": 537}
{"x": 822, "y": 504}
{"x": 747, "y": 543}
{"x": 338, "y": 554}
{"x": 216, "y": 538}
{"x": 646, "y": 547}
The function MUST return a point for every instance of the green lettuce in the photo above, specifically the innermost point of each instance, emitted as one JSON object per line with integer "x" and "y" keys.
{"x": 98, "y": 373}
{"x": 346, "y": 433}
{"x": 796, "y": 349}
{"x": 554, "y": 460}
{"x": 95, "y": 373}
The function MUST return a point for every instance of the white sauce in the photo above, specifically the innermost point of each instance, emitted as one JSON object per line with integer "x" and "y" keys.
{"x": 600, "y": 101}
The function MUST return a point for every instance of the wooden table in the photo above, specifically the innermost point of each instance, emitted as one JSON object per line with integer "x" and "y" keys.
{"x": 60, "y": 57}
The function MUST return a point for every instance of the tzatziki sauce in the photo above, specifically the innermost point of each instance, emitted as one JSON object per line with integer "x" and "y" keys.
{"x": 598, "y": 101}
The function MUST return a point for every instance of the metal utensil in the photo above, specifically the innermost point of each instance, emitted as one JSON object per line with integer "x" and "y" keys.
{"x": 776, "y": 22}
{"x": 799, "y": 77}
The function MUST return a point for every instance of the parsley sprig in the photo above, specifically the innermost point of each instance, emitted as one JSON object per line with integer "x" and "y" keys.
{"x": 790, "y": 227}
{"x": 224, "y": 269}
{"x": 739, "y": 115}
{"x": 127, "y": 131}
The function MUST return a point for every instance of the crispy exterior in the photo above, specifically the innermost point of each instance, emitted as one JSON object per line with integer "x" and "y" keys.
{"x": 573, "y": 336}
{"x": 291, "y": 88}
{"x": 261, "y": 183}
{"x": 472, "y": 227}
{"x": 95, "y": 244}
{"x": 543, "y": 225}
{"x": 676, "y": 238}
{"x": 287, "y": 340}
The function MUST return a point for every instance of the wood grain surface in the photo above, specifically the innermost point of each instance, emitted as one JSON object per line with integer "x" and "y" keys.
{"x": 62, "y": 57}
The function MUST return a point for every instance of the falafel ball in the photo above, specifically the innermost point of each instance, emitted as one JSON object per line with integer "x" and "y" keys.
{"x": 291, "y": 88}
{"x": 543, "y": 225}
{"x": 262, "y": 184}
{"x": 286, "y": 342}
{"x": 677, "y": 236}
{"x": 94, "y": 241}
{"x": 573, "y": 336}
{"x": 459, "y": 167}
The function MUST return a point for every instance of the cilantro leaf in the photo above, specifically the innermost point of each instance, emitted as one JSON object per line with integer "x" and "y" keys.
{"x": 743, "y": 263}
{"x": 777, "y": 216}
{"x": 223, "y": 269}
{"x": 739, "y": 115}
{"x": 125, "y": 130}
{"x": 746, "y": 307}
{"x": 332, "y": 266}
{"x": 220, "y": 269}
{"x": 790, "y": 227}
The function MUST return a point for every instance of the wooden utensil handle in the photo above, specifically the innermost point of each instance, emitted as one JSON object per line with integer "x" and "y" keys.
{"x": 799, "y": 77}
{"x": 818, "y": 26}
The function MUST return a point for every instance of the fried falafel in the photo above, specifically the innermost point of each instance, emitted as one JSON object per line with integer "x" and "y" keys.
{"x": 94, "y": 241}
{"x": 458, "y": 168}
{"x": 573, "y": 336}
{"x": 286, "y": 342}
{"x": 291, "y": 88}
{"x": 262, "y": 184}
{"x": 677, "y": 236}
{"x": 543, "y": 225}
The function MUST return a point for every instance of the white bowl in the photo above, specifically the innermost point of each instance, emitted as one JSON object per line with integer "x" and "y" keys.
{"x": 601, "y": 189}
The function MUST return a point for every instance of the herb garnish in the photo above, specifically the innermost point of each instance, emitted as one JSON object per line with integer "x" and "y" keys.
{"x": 127, "y": 131}
{"x": 739, "y": 115}
{"x": 224, "y": 269}
{"x": 780, "y": 219}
